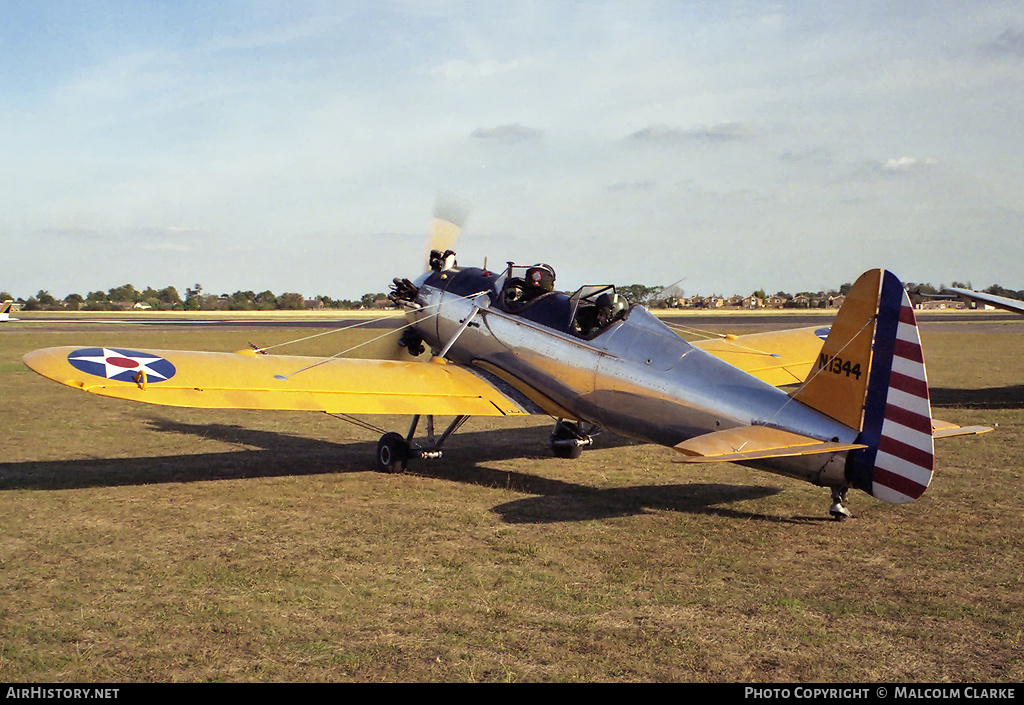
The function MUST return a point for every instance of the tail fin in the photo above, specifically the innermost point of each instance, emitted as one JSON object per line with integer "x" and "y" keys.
{"x": 870, "y": 375}
{"x": 5, "y": 310}
{"x": 838, "y": 381}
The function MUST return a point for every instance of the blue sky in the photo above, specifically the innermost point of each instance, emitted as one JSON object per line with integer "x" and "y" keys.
{"x": 300, "y": 146}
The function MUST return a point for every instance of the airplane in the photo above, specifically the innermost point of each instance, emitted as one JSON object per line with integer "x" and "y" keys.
{"x": 506, "y": 343}
{"x": 1003, "y": 302}
{"x": 5, "y": 311}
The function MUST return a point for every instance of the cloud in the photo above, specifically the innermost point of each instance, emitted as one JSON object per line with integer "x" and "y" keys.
{"x": 719, "y": 132}
{"x": 904, "y": 165}
{"x": 288, "y": 137}
{"x": 459, "y": 70}
{"x": 513, "y": 132}
{"x": 167, "y": 247}
{"x": 1009, "y": 42}
{"x": 632, "y": 186}
{"x": 809, "y": 155}
{"x": 76, "y": 233}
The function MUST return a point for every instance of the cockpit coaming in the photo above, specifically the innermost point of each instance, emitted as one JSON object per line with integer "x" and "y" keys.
{"x": 523, "y": 294}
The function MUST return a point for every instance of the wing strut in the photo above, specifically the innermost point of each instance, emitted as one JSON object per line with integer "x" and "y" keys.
{"x": 461, "y": 330}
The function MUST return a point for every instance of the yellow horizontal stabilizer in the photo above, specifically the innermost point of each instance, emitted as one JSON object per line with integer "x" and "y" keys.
{"x": 234, "y": 381}
{"x": 776, "y": 357}
{"x": 948, "y": 429}
{"x": 753, "y": 443}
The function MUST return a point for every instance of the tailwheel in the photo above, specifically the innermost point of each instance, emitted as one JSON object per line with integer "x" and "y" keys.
{"x": 568, "y": 439}
{"x": 838, "y": 510}
{"x": 393, "y": 453}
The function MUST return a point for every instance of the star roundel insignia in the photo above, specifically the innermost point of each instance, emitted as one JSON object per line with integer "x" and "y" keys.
{"x": 124, "y": 365}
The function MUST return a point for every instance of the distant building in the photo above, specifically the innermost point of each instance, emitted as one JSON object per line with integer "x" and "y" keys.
{"x": 712, "y": 302}
{"x": 947, "y": 305}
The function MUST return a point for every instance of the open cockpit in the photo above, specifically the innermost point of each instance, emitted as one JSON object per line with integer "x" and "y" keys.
{"x": 528, "y": 292}
{"x": 523, "y": 292}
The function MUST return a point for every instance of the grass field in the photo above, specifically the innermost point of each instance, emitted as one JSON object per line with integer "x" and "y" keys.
{"x": 143, "y": 543}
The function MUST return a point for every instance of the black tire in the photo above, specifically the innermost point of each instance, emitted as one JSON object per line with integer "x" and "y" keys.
{"x": 565, "y": 432}
{"x": 567, "y": 452}
{"x": 392, "y": 453}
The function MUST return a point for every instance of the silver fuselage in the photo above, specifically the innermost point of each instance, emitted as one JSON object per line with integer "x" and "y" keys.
{"x": 637, "y": 378}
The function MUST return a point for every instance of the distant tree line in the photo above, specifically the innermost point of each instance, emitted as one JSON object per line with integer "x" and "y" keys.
{"x": 168, "y": 298}
{"x": 669, "y": 297}
{"x": 195, "y": 299}
{"x": 659, "y": 297}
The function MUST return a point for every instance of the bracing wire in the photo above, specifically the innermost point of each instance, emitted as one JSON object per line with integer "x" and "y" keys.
{"x": 372, "y": 340}
{"x": 812, "y": 376}
{"x": 721, "y": 336}
{"x": 317, "y": 335}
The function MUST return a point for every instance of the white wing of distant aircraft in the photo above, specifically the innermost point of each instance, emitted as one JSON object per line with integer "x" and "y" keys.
{"x": 991, "y": 299}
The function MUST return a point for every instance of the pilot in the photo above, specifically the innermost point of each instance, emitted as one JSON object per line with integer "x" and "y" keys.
{"x": 540, "y": 279}
{"x": 604, "y": 310}
{"x": 441, "y": 261}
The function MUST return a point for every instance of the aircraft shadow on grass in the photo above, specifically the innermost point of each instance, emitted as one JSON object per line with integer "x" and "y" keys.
{"x": 282, "y": 454}
{"x": 1011, "y": 397}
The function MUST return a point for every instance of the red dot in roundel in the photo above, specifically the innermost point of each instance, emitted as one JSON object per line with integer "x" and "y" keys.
{"x": 122, "y": 362}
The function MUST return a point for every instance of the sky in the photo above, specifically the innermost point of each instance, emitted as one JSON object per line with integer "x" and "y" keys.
{"x": 303, "y": 146}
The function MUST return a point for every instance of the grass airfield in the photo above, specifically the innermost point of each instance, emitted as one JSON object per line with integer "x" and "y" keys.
{"x": 143, "y": 543}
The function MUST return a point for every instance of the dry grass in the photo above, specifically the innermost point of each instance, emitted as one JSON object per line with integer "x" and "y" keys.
{"x": 153, "y": 544}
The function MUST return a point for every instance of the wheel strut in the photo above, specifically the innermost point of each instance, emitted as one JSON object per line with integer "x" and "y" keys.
{"x": 394, "y": 451}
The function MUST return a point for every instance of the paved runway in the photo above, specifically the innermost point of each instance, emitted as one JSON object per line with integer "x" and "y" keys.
{"x": 739, "y": 321}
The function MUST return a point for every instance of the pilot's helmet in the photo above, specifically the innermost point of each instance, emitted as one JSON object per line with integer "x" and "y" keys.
{"x": 541, "y": 276}
{"x": 604, "y": 301}
{"x": 619, "y": 304}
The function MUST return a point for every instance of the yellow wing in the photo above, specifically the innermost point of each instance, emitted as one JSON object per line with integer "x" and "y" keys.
{"x": 753, "y": 443}
{"x": 777, "y": 357}
{"x": 248, "y": 381}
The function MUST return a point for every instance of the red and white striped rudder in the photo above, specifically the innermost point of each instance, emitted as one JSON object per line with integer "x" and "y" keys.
{"x": 897, "y": 427}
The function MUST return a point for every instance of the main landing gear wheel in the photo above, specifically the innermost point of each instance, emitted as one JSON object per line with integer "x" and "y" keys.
{"x": 393, "y": 453}
{"x": 566, "y": 440}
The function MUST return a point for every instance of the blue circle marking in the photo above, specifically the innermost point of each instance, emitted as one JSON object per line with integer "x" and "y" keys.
{"x": 121, "y": 364}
